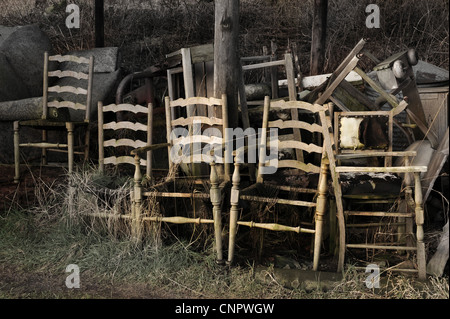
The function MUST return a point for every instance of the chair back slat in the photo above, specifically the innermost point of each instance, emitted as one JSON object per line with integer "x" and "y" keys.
{"x": 111, "y": 134}
{"x": 191, "y": 134}
{"x": 292, "y": 116}
{"x": 64, "y": 95}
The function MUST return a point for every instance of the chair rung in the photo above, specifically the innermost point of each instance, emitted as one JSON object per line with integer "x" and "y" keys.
{"x": 374, "y": 225}
{"x": 180, "y": 195}
{"x": 278, "y": 201}
{"x": 276, "y": 227}
{"x": 377, "y": 214}
{"x": 43, "y": 145}
{"x": 390, "y": 269}
{"x": 373, "y": 246}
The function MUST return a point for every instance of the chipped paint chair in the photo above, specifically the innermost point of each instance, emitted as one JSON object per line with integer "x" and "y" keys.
{"x": 55, "y": 97}
{"x": 374, "y": 199}
{"x": 271, "y": 189}
{"x": 195, "y": 145}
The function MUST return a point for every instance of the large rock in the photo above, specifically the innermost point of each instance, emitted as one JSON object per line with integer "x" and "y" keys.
{"x": 105, "y": 59}
{"x": 5, "y": 32}
{"x": 24, "y": 49}
{"x": 11, "y": 85}
{"x": 29, "y": 109}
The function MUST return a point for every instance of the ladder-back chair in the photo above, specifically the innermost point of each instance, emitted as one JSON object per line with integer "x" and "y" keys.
{"x": 116, "y": 139}
{"x": 55, "y": 101}
{"x": 190, "y": 142}
{"x": 310, "y": 196}
{"x": 368, "y": 191}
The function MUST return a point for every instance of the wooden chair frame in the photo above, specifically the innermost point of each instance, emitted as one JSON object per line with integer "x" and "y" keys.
{"x": 334, "y": 155}
{"x": 45, "y": 123}
{"x": 129, "y": 126}
{"x": 319, "y": 203}
{"x": 218, "y": 181}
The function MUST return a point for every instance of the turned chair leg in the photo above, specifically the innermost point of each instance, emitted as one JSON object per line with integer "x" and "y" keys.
{"x": 70, "y": 141}
{"x": 421, "y": 257}
{"x": 234, "y": 200}
{"x": 320, "y": 212}
{"x": 215, "y": 198}
{"x": 16, "y": 153}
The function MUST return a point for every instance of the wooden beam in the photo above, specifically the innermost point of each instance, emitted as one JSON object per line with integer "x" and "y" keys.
{"x": 227, "y": 66}
{"x": 99, "y": 24}
{"x": 318, "y": 36}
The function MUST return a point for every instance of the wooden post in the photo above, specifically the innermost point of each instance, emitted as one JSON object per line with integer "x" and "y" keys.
{"x": 226, "y": 55}
{"x": 99, "y": 24}
{"x": 318, "y": 36}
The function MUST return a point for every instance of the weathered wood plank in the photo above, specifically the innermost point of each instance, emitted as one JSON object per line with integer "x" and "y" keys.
{"x": 437, "y": 263}
{"x": 262, "y": 65}
{"x": 330, "y": 89}
{"x": 437, "y": 161}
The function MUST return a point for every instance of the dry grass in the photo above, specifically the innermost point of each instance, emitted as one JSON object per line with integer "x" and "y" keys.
{"x": 45, "y": 239}
{"x": 146, "y": 31}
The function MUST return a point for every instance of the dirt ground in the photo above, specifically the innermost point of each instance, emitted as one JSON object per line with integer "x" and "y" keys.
{"x": 22, "y": 195}
{"x": 18, "y": 283}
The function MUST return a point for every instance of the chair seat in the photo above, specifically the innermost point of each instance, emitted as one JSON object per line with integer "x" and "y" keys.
{"x": 49, "y": 124}
{"x": 370, "y": 183}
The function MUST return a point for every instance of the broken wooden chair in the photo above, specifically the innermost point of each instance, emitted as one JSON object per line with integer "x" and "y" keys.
{"x": 190, "y": 140}
{"x": 117, "y": 138}
{"x": 367, "y": 191}
{"x": 271, "y": 187}
{"x": 58, "y": 111}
